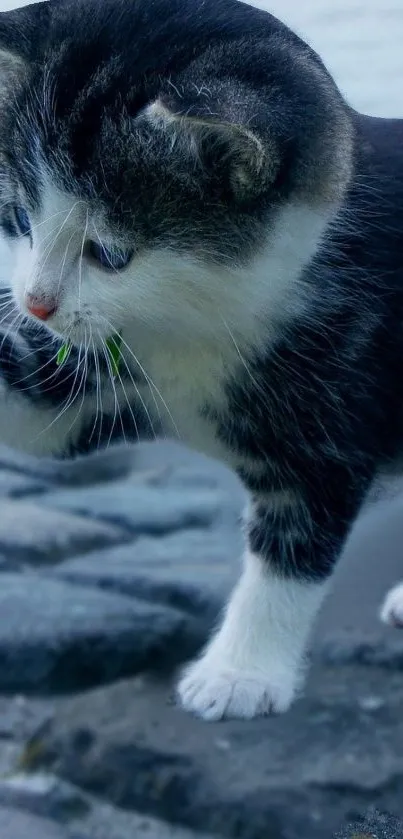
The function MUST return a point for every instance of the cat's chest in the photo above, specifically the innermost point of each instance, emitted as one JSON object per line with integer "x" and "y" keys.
{"x": 179, "y": 389}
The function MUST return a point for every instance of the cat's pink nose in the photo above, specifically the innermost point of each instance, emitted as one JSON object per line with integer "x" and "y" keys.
{"x": 40, "y": 309}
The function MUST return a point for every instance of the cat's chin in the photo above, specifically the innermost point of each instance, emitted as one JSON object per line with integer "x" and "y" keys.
{"x": 85, "y": 335}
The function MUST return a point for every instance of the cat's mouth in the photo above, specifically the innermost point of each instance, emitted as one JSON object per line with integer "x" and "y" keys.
{"x": 79, "y": 327}
{"x": 111, "y": 351}
{"x": 81, "y": 333}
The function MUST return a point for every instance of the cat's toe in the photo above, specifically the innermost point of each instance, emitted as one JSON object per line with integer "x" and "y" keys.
{"x": 392, "y": 608}
{"x": 216, "y": 692}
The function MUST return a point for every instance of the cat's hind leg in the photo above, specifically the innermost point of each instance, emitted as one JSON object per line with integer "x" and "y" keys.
{"x": 391, "y": 611}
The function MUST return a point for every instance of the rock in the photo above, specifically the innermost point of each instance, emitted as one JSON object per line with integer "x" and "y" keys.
{"x": 95, "y": 611}
{"x": 190, "y": 570}
{"x": 55, "y": 636}
{"x": 167, "y": 459}
{"x": 15, "y": 824}
{"x": 141, "y": 508}
{"x": 374, "y": 826}
{"x": 371, "y": 563}
{"x": 362, "y": 648}
{"x": 43, "y": 795}
{"x": 18, "y": 486}
{"x": 105, "y": 822}
{"x": 167, "y": 488}
{"x": 305, "y": 773}
{"x": 107, "y": 465}
{"x": 47, "y": 795}
{"x": 29, "y": 533}
{"x": 20, "y": 717}
{"x": 9, "y": 755}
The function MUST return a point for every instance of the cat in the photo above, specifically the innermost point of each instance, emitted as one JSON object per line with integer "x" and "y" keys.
{"x": 185, "y": 178}
{"x": 391, "y": 612}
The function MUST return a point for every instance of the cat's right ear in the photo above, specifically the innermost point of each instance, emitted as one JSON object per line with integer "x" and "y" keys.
{"x": 21, "y": 36}
{"x": 11, "y": 68}
{"x": 234, "y": 150}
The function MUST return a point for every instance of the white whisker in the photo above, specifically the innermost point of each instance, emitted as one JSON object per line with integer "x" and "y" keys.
{"x": 70, "y": 398}
{"x": 80, "y": 264}
{"x": 153, "y": 387}
{"x": 99, "y": 410}
{"x": 116, "y": 405}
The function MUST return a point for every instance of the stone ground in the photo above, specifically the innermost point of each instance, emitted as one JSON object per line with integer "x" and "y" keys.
{"x": 112, "y": 572}
{"x": 111, "y": 576}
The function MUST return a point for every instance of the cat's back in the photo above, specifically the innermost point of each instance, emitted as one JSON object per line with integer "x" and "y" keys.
{"x": 381, "y": 151}
{"x": 372, "y": 219}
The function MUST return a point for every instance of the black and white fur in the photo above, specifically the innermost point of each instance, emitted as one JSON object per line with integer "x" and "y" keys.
{"x": 261, "y": 309}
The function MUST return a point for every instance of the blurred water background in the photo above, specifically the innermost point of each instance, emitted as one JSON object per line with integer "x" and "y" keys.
{"x": 360, "y": 41}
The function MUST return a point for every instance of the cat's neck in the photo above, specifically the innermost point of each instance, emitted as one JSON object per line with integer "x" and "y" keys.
{"x": 248, "y": 305}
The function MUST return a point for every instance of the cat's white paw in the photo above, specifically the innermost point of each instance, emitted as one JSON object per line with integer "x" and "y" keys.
{"x": 392, "y": 608}
{"x": 254, "y": 665}
{"x": 213, "y": 690}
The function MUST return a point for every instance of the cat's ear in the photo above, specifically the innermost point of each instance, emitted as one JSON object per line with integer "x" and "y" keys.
{"x": 21, "y": 34}
{"x": 11, "y": 68}
{"x": 233, "y": 150}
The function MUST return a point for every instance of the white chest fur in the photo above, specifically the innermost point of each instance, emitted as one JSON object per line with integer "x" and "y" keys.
{"x": 180, "y": 382}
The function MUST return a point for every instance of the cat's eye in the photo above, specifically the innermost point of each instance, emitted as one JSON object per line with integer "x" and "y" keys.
{"x": 22, "y": 221}
{"x": 111, "y": 259}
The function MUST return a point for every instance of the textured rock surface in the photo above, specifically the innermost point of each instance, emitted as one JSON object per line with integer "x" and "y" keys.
{"x": 188, "y": 570}
{"x": 47, "y": 796}
{"x": 55, "y": 636}
{"x": 15, "y": 824}
{"x": 28, "y": 532}
{"x": 338, "y": 751}
{"x": 375, "y": 826}
{"x": 102, "y": 822}
{"x": 115, "y": 593}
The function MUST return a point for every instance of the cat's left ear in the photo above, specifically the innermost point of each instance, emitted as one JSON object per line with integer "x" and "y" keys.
{"x": 22, "y": 32}
{"x": 233, "y": 150}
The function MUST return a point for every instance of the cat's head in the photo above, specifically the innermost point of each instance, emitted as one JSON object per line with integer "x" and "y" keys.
{"x": 164, "y": 165}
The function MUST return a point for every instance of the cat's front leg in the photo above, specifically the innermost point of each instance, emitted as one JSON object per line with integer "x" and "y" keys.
{"x": 254, "y": 665}
{"x": 255, "y": 662}
{"x": 44, "y": 405}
